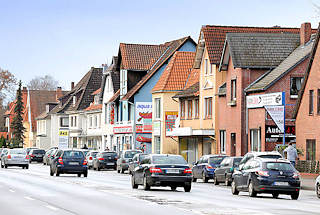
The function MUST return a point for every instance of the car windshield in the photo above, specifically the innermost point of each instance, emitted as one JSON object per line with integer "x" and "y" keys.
{"x": 130, "y": 154}
{"x": 216, "y": 160}
{"x": 237, "y": 161}
{"x": 109, "y": 154}
{"x": 73, "y": 154}
{"x": 277, "y": 166}
{"x": 270, "y": 156}
{"x": 39, "y": 151}
{"x": 168, "y": 160}
{"x": 18, "y": 151}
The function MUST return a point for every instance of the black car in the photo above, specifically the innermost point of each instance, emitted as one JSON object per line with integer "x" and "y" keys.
{"x": 226, "y": 169}
{"x": 136, "y": 160}
{"x": 261, "y": 175}
{"x": 162, "y": 170}
{"x": 69, "y": 161}
{"x": 206, "y": 166}
{"x": 125, "y": 158}
{"x": 105, "y": 160}
{"x": 36, "y": 155}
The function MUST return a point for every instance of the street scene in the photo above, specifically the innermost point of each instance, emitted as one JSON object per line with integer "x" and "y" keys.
{"x": 160, "y": 107}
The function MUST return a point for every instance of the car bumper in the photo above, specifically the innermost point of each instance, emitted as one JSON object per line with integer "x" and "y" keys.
{"x": 39, "y": 159}
{"x": 268, "y": 186}
{"x": 64, "y": 169}
{"x": 169, "y": 180}
{"x": 17, "y": 163}
{"x": 124, "y": 166}
{"x": 107, "y": 165}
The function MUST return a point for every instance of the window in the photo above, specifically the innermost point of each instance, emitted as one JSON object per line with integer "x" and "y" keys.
{"x": 64, "y": 122}
{"x": 210, "y": 66}
{"x": 158, "y": 108}
{"x": 255, "y": 140}
{"x": 310, "y": 101}
{"x": 95, "y": 121}
{"x": 295, "y": 86}
{"x": 74, "y": 100}
{"x": 311, "y": 150}
{"x": 75, "y": 121}
{"x": 208, "y": 107}
{"x": 189, "y": 109}
{"x": 318, "y": 102}
{"x": 233, "y": 90}
{"x": 182, "y": 109}
{"x": 223, "y": 141}
{"x": 157, "y": 145}
{"x": 196, "y": 108}
{"x": 90, "y": 122}
{"x": 206, "y": 66}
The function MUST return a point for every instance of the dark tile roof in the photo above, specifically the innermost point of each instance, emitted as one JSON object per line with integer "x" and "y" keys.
{"x": 115, "y": 76}
{"x": 172, "y": 47}
{"x": 260, "y": 50}
{"x": 307, "y": 73}
{"x": 189, "y": 92}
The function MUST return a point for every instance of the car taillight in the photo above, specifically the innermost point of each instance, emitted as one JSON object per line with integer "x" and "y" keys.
{"x": 9, "y": 157}
{"x": 296, "y": 175}
{"x": 209, "y": 167}
{"x": 263, "y": 173}
{"x": 31, "y": 155}
{"x": 123, "y": 161}
{"x": 187, "y": 171}
{"x": 101, "y": 159}
{"x": 116, "y": 158}
{"x": 90, "y": 158}
{"x": 27, "y": 157}
{"x": 155, "y": 170}
{"x": 85, "y": 162}
{"x": 60, "y": 161}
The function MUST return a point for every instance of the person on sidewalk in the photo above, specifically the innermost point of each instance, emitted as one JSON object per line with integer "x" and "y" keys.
{"x": 292, "y": 154}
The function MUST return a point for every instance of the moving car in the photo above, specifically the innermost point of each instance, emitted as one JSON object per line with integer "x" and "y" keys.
{"x": 3, "y": 152}
{"x": 136, "y": 160}
{"x": 49, "y": 156}
{"x": 226, "y": 169}
{"x": 204, "y": 169}
{"x": 30, "y": 148}
{"x": 162, "y": 170}
{"x": 105, "y": 160}
{"x": 36, "y": 155}
{"x": 261, "y": 175}
{"x": 250, "y": 155}
{"x": 317, "y": 185}
{"x": 90, "y": 156}
{"x": 15, "y": 157}
{"x": 125, "y": 158}
{"x": 69, "y": 161}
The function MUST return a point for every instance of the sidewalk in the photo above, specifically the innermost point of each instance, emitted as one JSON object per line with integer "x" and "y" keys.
{"x": 308, "y": 181}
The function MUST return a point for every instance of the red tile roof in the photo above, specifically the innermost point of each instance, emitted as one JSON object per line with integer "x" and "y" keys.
{"x": 97, "y": 91}
{"x": 94, "y": 107}
{"x": 193, "y": 78}
{"x": 176, "y": 73}
{"x": 115, "y": 96}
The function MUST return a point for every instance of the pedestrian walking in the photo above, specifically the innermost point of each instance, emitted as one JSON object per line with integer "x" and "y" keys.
{"x": 292, "y": 154}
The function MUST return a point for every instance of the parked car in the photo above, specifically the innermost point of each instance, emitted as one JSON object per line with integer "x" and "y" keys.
{"x": 48, "y": 156}
{"x": 37, "y": 155}
{"x": 90, "y": 156}
{"x": 85, "y": 151}
{"x": 162, "y": 170}
{"x": 69, "y": 161}
{"x": 30, "y": 148}
{"x": 250, "y": 155}
{"x": 136, "y": 160}
{"x": 105, "y": 160}
{"x": 317, "y": 186}
{"x": 261, "y": 175}
{"x": 204, "y": 169}
{"x": 125, "y": 158}
{"x": 226, "y": 169}
{"x": 15, "y": 157}
{"x": 3, "y": 152}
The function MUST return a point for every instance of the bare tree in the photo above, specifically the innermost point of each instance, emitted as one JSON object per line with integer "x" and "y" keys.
{"x": 7, "y": 85}
{"x": 46, "y": 82}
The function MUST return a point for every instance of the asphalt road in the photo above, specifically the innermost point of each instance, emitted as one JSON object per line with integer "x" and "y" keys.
{"x": 33, "y": 191}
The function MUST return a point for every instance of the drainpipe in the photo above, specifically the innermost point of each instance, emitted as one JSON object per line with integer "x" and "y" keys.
{"x": 247, "y": 120}
{"x": 134, "y": 126}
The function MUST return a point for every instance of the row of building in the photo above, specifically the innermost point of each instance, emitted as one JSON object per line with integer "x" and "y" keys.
{"x": 235, "y": 90}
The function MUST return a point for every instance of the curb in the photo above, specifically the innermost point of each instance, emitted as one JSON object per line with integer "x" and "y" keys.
{"x": 307, "y": 188}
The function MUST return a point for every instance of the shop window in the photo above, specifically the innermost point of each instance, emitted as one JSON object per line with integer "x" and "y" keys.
{"x": 310, "y": 101}
{"x": 233, "y": 90}
{"x": 208, "y": 107}
{"x": 223, "y": 141}
{"x": 157, "y": 145}
{"x": 196, "y": 108}
{"x": 189, "y": 109}
{"x": 158, "y": 108}
{"x": 295, "y": 86}
{"x": 255, "y": 140}
{"x": 311, "y": 149}
{"x": 182, "y": 109}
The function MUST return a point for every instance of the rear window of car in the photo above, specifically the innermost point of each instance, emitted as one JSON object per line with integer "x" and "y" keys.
{"x": 39, "y": 151}
{"x": 73, "y": 154}
{"x": 130, "y": 154}
{"x": 18, "y": 151}
{"x": 270, "y": 156}
{"x": 277, "y": 166}
{"x": 216, "y": 160}
{"x": 168, "y": 160}
{"x": 108, "y": 154}
{"x": 94, "y": 154}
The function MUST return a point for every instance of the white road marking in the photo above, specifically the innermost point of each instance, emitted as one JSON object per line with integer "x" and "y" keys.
{"x": 29, "y": 198}
{"x": 12, "y": 191}
{"x": 52, "y": 208}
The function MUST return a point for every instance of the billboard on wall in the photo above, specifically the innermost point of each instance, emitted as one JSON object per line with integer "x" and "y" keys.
{"x": 63, "y": 139}
{"x": 277, "y": 114}
{"x": 144, "y": 117}
{"x": 258, "y": 101}
{"x": 273, "y": 134}
{"x": 170, "y": 121}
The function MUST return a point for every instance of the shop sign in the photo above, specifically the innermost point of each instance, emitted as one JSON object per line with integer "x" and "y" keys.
{"x": 122, "y": 129}
{"x": 157, "y": 128}
{"x": 63, "y": 139}
{"x": 258, "y": 101}
{"x": 273, "y": 134}
{"x": 144, "y": 117}
{"x": 170, "y": 121}
{"x": 277, "y": 115}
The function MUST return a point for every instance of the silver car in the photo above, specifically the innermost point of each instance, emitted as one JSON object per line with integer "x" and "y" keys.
{"x": 15, "y": 157}
{"x": 90, "y": 157}
{"x": 318, "y": 186}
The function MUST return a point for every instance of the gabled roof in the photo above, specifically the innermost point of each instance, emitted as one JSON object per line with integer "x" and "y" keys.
{"x": 192, "y": 85}
{"x": 114, "y": 72}
{"x": 172, "y": 47}
{"x": 306, "y": 75}
{"x": 295, "y": 58}
{"x": 258, "y": 50}
{"x": 213, "y": 37}
{"x": 176, "y": 73}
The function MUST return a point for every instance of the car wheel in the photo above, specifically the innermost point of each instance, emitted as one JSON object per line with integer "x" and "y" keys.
{"x": 187, "y": 188}
{"x": 23, "y": 167}
{"x": 51, "y": 173}
{"x": 252, "y": 193}
{"x": 194, "y": 179}
{"x": 98, "y": 168}
{"x": 173, "y": 188}
{"x": 85, "y": 174}
{"x": 295, "y": 195}
{"x": 275, "y": 195}
{"x": 133, "y": 183}
{"x": 216, "y": 182}
{"x": 57, "y": 172}
{"x": 122, "y": 171}
{"x": 205, "y": 179}
{"x": 6, "y": 166}
{"x": 146, "y": 186}
{"x": 79, "y": 174}
{"x": 118, "y": 170}
{"x": 318, "y": 190}
{"x": 234, "y": 189}
{"x": 226, "y": 181}
{"x": 27, "y": 167}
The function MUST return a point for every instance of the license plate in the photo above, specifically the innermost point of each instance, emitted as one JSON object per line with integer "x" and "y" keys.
{"x": 110, "y": 163}
{"x": 38, "y": 156}
{"x": 73, "y": 163}
{"x": 280, "y": 183}
{"x": 172, "y": 171}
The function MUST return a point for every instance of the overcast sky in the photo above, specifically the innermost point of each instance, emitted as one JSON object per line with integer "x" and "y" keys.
{"x": 64, "y": 38}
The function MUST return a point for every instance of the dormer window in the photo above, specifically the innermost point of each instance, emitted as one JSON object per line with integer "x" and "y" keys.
{"x": 74, "y": 100}
{"x": 96, "y": 99}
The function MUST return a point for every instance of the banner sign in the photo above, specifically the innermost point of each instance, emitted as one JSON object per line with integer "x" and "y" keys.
{"x": 257, "y": 101}
{"x": 63, "y": 139}
{"x": 273, "y": 134}
{"x": 277, "y": 114}
{"x": 144, "y": 117}
{"x": 170, "y": 121}
{"x": 122, "y": 129}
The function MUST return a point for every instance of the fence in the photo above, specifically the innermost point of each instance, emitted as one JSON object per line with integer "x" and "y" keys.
{"x": 308, "y": 166}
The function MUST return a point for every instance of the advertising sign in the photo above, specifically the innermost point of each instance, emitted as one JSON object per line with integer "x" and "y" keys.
{"x": 273, "y": 134}
{"x": 144, "y": 117}
{"x": 63, "y": 139}
{"x": 157, "y": 128}
{"x": 257, "y": 101}
{"x": 277, "y": 114}
{"x": 170, "y": 121}
{"x": 122, "y": 129}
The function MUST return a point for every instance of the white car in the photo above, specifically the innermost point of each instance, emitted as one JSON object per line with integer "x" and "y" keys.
{"x": 15, "y": 157}
{"x": 317, "y": 186}
{"x": 90, "y": 157}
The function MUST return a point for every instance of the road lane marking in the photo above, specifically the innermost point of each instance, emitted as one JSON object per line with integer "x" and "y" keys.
{"x": 29, "y": 198}
{"x": 12, "y": 191}
{"x": 52, "y": 208}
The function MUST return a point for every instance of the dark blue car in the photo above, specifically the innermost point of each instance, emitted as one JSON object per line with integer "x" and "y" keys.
{"x": 205, "y": 167}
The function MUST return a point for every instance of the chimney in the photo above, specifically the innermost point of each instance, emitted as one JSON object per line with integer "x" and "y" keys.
{"x": 72, "y": 85}
{"x": 58, "y": 93}
{"x": 305, "y": 33}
